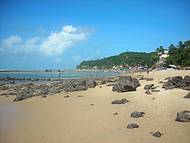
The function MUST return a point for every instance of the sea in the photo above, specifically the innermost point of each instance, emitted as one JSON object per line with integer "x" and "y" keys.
{"x": 67, "y": 74}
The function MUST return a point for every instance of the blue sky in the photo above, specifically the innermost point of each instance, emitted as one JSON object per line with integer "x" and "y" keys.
{"x": 40, "y": 34}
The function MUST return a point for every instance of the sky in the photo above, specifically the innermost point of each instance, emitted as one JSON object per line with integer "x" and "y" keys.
{"x": 59, "y": 34}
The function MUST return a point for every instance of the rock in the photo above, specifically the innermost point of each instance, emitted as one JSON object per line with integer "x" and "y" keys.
{"x": 137, "y": 114}
{"x": 115, "y": 113}
{"x": 174, "y": 82}
{"x": 66, "y": 96}
{"x": 110, "y": 84}
{"x": 132, "y": 126}
{"x": 183, "y": 116}
{"x": 187, "y": 96}
{"x": 91, "y": 83}
{"x": 103, "y": 82}
{"x": 44, "y": 96}
{"x": 122, "y": 101}
{"x": 154, "y": 90}
{"x": 148, "y": 86}
{"x": 149, "y": 79}
{"x": 91, "y": 104}
{"x": 157, "y": 134}
{"x": 126, "y": 83}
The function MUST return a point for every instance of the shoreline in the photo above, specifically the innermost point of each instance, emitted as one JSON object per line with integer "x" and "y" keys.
{"x": 88, "y": 115}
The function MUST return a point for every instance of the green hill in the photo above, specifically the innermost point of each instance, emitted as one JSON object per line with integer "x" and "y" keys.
{"x": 124, "y": 59}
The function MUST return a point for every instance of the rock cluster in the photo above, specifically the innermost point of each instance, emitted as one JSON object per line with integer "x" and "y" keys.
{"x": 126, "y": 83}
{"x": 29, "y": 90}
{"x": 178, "y": 82}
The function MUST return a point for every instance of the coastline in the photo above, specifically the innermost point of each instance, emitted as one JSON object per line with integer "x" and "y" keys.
{"x": 88, "y": 115}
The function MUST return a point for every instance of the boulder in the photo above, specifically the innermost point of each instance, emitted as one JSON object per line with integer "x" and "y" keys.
{"x": 122, "y": 101}
{"x": 125, "y": 84}
{"x": 132, "y": 126}
{"x": 183, "y": 116}
{"x": 176, "y": 82}
{"x": 137, "y": 114}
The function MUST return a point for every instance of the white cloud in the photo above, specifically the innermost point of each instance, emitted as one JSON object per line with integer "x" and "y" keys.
{"x": 55, "y": 44}
{"x": 11, "y": 41}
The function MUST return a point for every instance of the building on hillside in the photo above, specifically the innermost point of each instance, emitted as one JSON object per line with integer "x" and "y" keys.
{"x": 162, "y": 59}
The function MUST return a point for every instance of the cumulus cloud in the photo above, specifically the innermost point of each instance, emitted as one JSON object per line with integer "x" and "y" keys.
{"x": 55, "y": 44}
{"x": 11, "y": 41}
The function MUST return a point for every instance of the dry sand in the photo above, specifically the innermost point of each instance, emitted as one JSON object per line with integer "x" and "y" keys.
{"x": 74, "y": 120}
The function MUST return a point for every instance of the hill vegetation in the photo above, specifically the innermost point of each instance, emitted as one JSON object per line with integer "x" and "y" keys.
{"x": 179, "y": 55}
{"x": 125, "y": 60}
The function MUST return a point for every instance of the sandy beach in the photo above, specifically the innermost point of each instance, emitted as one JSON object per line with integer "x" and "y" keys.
{"x": 88, "y": 116}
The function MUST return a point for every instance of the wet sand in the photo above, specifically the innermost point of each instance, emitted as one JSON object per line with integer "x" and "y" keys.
{"x": 87, "y": 116}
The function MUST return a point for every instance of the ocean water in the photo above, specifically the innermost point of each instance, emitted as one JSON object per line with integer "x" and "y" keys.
{"x": 68, "y": 74}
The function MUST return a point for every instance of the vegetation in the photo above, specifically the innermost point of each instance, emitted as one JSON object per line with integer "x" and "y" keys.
{"x": 125, "y": 60}
{"x": 179, "y": 55}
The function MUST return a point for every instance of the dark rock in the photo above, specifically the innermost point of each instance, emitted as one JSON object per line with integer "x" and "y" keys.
{"x": 137, "y": 114}
{"x": 103, "y": 82}
{"x": 174, "y": 82}
{"x": 132, "y": 126}
{"x": 154, "y": 90}
{"x": 115, "y": 113}
{"x": 91, "y": 104}
{"x": 148, "y": 86}
{"x": 110, "y": 84}
{"x": 66, "y": 96}
{"x": 183, "y": 116}
{"x": 126, "y": 83}
{"x": 187, "y": 96}
{"x": 91, "y": 83}
{"x": 149, "y": 79}
{"x": 122, "y": 101}
{"x": 22, "y": 97}
{"x": 44, "y": 96}
{"x": 157, "y": 134}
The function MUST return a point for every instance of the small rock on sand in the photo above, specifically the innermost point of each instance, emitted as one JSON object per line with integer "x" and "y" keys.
{"x": 132, "y": 126}
{"x": 157, "y": 134}
{"x": 137, "y": 114}
{"x": 122, "y": 101}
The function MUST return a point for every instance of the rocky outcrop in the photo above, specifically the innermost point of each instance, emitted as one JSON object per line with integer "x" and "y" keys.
{"x": 126, "y": 83}
{"x": 29, "y": 90}
{"x": 178, "y": 82}
{"x": 183, "y": 116}
{"x": 137, "y": 114}
{"x": 120, "y": 101}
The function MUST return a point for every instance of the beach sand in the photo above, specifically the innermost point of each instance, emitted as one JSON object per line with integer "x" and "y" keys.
{"x": 87, "y": 116}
